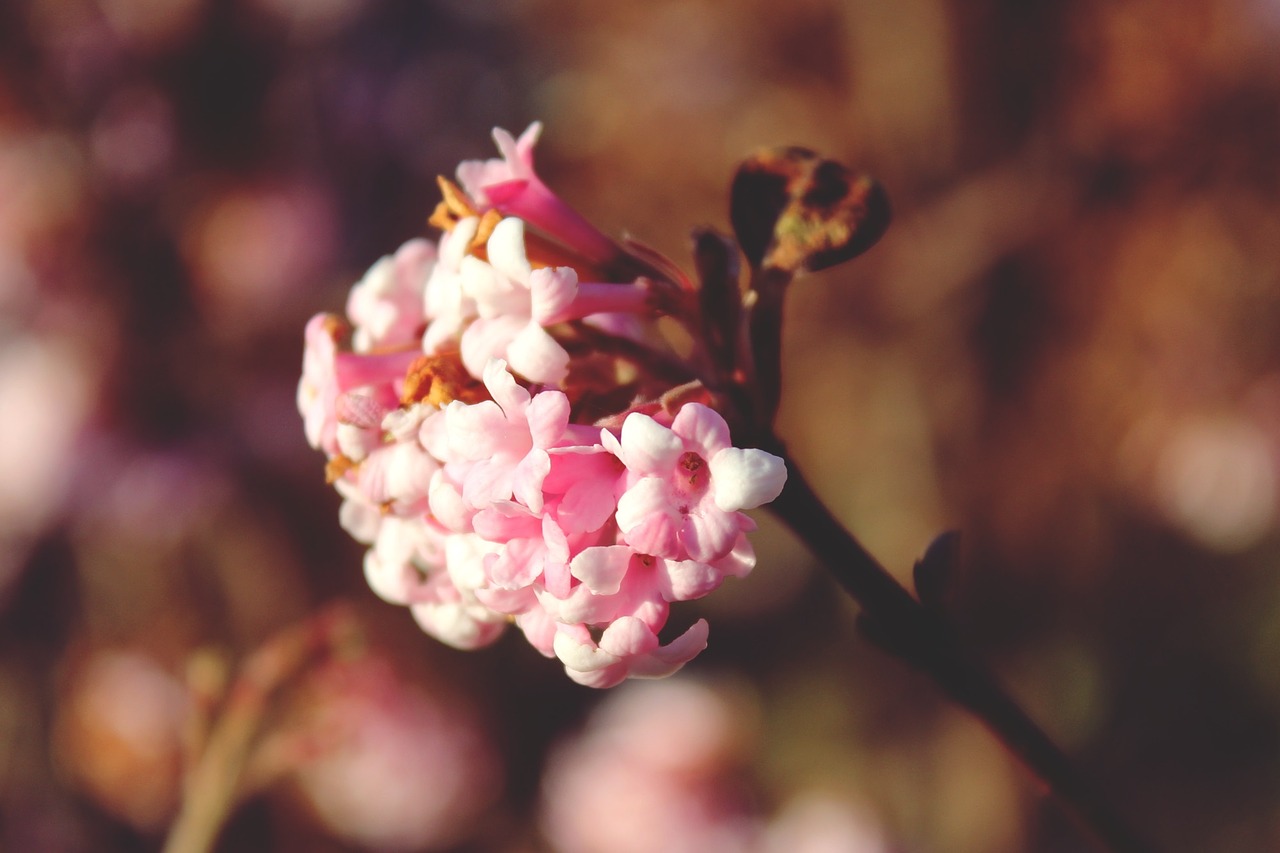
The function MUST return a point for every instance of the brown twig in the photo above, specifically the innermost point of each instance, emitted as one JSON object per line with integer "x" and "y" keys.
{"x": 900, "y": 624}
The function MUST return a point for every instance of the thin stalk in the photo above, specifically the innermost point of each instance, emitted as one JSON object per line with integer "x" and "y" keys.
{"x": 903, "y": 626}
{"x": 214, "y": 785}
{"x": 764, "y": 338}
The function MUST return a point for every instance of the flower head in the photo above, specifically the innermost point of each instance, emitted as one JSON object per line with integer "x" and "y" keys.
{"x": 516, "y": 444}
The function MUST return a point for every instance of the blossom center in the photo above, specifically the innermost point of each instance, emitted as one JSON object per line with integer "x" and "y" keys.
{"x": 691, "y": 480}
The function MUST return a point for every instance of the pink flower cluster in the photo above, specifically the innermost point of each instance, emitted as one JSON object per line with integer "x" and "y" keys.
{"x": 500, "y": 419}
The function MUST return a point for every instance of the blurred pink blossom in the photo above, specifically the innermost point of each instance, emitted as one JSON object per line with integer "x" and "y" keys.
{"x": 393, "y": 767}
{"x": 655, "y": 769}
{"x": 118, "y": 735}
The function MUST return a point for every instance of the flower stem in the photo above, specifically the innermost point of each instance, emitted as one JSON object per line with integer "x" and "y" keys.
{"x": 213, "y": 786}
{"x": 900, "y": 624}
{"x": 764, "y": 335}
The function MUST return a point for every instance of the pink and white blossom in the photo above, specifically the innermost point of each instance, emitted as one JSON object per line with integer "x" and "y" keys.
{"x": 500, "y": 308}
{"x": 688, "y": 484}
{"x": 446, "y": 307}
{"x": 504, "y": 448}
{"x": 514, "y": 303}
{"x": 385, "y": 307}
{"x": 628, "y": 648}
{"x": 505, "y": 439}
{"x": 318, "y": 389}
{"x": 453, "y": 617}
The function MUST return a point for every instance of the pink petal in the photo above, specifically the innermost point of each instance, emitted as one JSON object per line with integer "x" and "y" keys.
{"x": 527, "y": 477}
{"x": 587, "y": 504}
{"x": 517, "y": 565}
{"x": 503, "y": 522}
{"x": 447, "y": 505}
{"x": 600, "y": 679}
{"x": 674, "y": 655}
{"x": 647, "y": 518}
{"x": 486, "y": 482}
{"x": 455, "y": 624}
{"x": 510, "y": 195}
{"x": 465, "y": 556}
{"x": 579, "y": 605}
{"x": 434, "y": 435}
{"x": 356, "y": 443}
{"x": 548, "y": 415}
{"x": 628, "y": 637}
{"x": 708, "y": 534}
{"x": 412, "y": 264}
{"x": 475, "y": 431}
{"x": 493, "y": 294}
{"x": 539, "y": 629}
{"x": 357, "y": 516}
{"x": 407, "y": 471}
{"x": 520, "y": 155}
{"x": 557, "y": 544}
{"x": 685, "y": 580}
{"x": 610, "y": 442}
{"x": 509, "y": 602}
{"x": 739, "y": 562}
{"x": 456, "y": 243}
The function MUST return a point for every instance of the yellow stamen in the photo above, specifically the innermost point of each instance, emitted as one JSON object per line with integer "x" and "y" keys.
{"x": 439, "y": 380}
{"x": 336, "y": 467}
{"x": 454, "y": 207}
{"x": 484, "y": 230}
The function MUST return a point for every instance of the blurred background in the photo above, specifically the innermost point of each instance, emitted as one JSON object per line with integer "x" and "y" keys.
{"x": 1066, "y": 347}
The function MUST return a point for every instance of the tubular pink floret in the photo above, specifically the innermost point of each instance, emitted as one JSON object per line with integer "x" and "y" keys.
{"x": 531, "y": 201}
{"x": 596, "y": 298}
{"x": 353, "y": 370}
{"x": 512, "y": 187}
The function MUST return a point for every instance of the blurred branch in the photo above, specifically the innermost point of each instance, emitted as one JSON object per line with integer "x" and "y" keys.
{"x": 901, "y": 625}
{"x": 213, "y": 784}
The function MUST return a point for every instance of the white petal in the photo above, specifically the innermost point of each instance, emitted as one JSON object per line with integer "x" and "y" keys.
{"x": 743, "y": 479}
{"x": 551, "y": 292}
{"x": 487, "y": 339}
{"x": 648, "y": 447}
{"x": 601, "y": 568}
{"x": 506, "y": 249}
{"x": 580, "y": 656}
{"x": 537, "y": 356}
{"x": 453, "y": 246}
{"x": 503, "y": 387}
{"x": 388, "y": 579}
